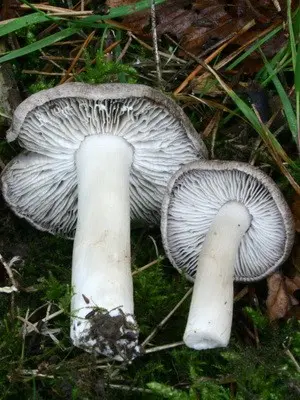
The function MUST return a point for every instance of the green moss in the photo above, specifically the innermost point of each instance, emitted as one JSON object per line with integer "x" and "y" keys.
{"x": 104, "y": 70}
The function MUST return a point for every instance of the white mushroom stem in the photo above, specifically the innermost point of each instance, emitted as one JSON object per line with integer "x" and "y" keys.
{"x": 210, "y": 316}
{"x": 101, "y": 270}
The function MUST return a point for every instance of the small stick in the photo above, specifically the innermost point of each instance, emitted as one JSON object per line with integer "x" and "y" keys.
{"x": 148, "y": 265}
{"x": 34, "y": 72}
{"x": 161, "y": 53}
{"x": 155, "y": 45}
{"x": 78, "y": 14}
{"x": 29, "y": 324}
{"x": 7, "y": 267}
{"x": 57, "y": 11}
{"x": 293, "y": 359}
{"x": 2, "y": 163}
{"x": 35, "y": 373}
{"x": 84, "y": 45}
{"x": 164, "y": 347}
{"x": 276, "y": 5}
{"x": 68, "y": 42}
{"x": 33, "y": 326}
{"x": 155, "y": 245}
{"x": 126, "y": 47}
{"x": 241, "y": 294}
{"x": 8, "y": 289}
{"x": 208, "y": 59}
{"x": 107, "y": 50}
{"x": 129, "y": 388}
{"x": 164, "y": 321}
{"x": 53, "y": 62}
{"x": 58, "y": 58}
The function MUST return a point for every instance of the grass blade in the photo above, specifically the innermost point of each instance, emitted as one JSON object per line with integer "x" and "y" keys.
{"x": 286, "y": 104}
{"x": 121, "y": 11}
{"x": 39, "y": 44}
{"x": 297, "y": 90}
{"x": 273, "y": 145}
{"x": 291, "y": 33}
{"x": 23, "y": 22}
{"x": 253, "y": 48}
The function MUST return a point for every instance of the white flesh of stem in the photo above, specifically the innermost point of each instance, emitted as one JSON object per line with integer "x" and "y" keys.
{"x": 101, "y": 270}
{"x": 210, "y": 316}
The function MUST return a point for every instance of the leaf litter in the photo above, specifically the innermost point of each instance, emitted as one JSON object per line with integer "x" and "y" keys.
{"x": 199, "y": 24}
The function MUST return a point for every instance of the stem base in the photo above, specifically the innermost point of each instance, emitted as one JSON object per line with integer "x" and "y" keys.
{"x": 111, "y": 333}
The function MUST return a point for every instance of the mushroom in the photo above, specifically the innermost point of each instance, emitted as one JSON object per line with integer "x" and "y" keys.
{"x": 225, "y": 220}
{"x": 94, "y": 154}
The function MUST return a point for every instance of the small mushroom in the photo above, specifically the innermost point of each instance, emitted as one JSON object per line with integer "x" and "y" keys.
{"x": 225, "y": 220}
{"x": 94, "y": 154}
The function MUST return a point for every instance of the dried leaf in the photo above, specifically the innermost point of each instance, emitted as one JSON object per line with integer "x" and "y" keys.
{"x": 292, "y": 285}
{"x": 278, "y": 301}
{"x": 296, "y": 212}
{"x": 200, "y": 24}
{"x": 9, "y": 9}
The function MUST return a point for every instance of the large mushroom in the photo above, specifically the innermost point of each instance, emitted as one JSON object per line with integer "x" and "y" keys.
{"x": 223, "y": 220}
{"x": 95, "y": 154}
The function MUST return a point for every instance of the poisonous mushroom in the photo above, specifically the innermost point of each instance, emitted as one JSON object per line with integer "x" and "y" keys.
{"x": 94, "y": 154}
{"x": 225, "y": 220}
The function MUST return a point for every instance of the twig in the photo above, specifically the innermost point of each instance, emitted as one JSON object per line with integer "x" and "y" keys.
{"x": 293, "y": 359}
{"x": 164, "y": 321}
{"x": 241, "y": 294}
{"x": 34, "y": 72}
{"x": 7, "y": 267}
{"x": 208, "y": 59}
{"x": 124, "y": 51}
{"x": 107, "y": 50}
{"x": 164, "y": 347}
{"x": 53, "y": 62}
{"x": 33, "y": 326}
{"x": 8, "y": 289}
{"x": 235, "y": 53}
{"x": 82, "y": 48}
{"x": 129, "y": 388}
{"x": 60, "y": 11}
{"x": 58, "y": 58}
{"x": 3, "y": 115}
{"x": 35, "y": 373}
{"x": 28, "y": 323}
{"x": 276, "y": 5}
{"x": 155, "y": 245}
{"x": 277, "y": 157}
{"x": 2, "y": 164}
{"x": 68, "y": 42}
{"x": 155, "y": 45}
{"x": 159, "y": 259}
{"x": 161, "y": 53}
{"x": 253, "y": 155}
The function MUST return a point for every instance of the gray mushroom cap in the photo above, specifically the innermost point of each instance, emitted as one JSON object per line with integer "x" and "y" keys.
{"x": 194, "y": 196}
{"x": 41, "y": 185}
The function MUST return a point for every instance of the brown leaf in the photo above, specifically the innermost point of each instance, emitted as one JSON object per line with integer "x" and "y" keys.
{"x": 296, "y": 212}
{"x": 292, "y": 284}
{"x": 199, "y": 24}
{"x": 294, "y": 312}
{"x": 9, "y": 9}
{"x": 278, "y": 301}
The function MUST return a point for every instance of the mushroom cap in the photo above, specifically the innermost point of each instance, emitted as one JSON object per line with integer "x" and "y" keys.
{"x": 41, "y": 185}
{"x": 194, "y": 196}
